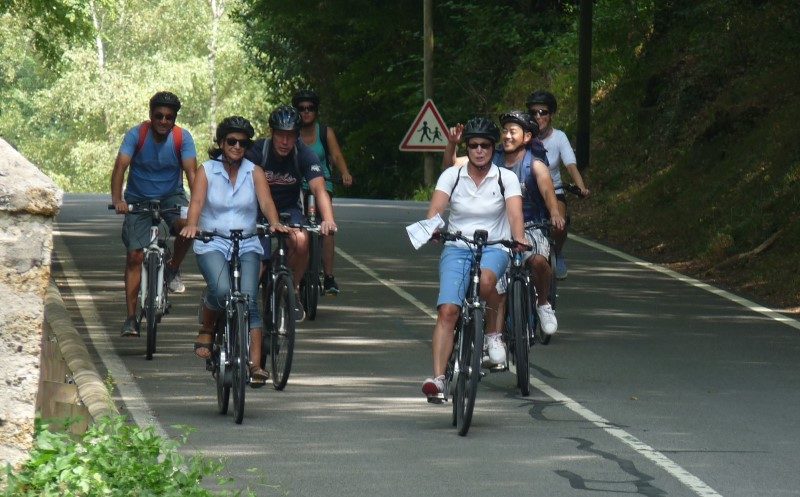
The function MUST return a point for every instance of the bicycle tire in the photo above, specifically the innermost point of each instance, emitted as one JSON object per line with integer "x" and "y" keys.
{"x": 221, "y": 371}
{"x": 283, "y": 331}
{"x": 151, "y": 305}
{"x": 470, "y": 354}
{"x": 452, "y": 383}
{"x": 310, "y": 287}
{"x": 240, "y": 359}
{"x": 519, "y": 332}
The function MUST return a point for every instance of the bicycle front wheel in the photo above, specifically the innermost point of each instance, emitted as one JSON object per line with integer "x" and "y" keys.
{"x": 470, "y": 373}
{"x": 309, "y": 287}
{"x": 519, "y": 330}
{"x": 220, "y": 371}
{"x": 282, "y": 344}
{"x": 240, "y": 337}
{"x": 151, "y": 302}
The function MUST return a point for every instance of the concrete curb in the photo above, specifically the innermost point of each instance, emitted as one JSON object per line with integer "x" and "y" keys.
{"x": 91, "y": 389}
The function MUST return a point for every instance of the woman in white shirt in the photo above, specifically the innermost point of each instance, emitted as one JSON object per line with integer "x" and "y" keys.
{"x": 226, "y": 194}
{"x": 481, "y": 195}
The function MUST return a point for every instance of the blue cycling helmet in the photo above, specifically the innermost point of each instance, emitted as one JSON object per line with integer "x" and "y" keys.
{"x": 285, "y": 118}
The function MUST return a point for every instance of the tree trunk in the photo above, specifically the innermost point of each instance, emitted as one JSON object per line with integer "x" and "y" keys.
{"x": 101, "y": 66}
{"x": 217, "y": 10}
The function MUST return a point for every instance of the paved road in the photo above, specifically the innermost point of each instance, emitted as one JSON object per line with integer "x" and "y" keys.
{"x": 651, "y": 387}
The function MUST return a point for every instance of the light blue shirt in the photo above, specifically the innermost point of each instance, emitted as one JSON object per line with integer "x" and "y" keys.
{"x": 228, "y": 207}
{"x": 155, "y": 171}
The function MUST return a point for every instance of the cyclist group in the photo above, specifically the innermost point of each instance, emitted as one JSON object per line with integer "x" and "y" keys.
{"x": 241, "y": 180}
{"x": 510, "y": 192}
{"x": 504, "y": 191}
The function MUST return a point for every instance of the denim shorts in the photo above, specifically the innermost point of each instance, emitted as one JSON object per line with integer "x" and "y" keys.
{"x": 454, "y": 271}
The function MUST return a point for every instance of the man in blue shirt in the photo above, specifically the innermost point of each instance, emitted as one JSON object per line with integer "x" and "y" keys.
{"x": 157, "y": 152}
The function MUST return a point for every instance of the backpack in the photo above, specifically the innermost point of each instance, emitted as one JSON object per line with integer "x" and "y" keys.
{"x": 499, "y": 181}
{"x": 177, "y": 138}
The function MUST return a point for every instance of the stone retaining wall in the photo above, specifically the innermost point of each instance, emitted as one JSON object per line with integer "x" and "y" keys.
{"x": 29, "y": 201}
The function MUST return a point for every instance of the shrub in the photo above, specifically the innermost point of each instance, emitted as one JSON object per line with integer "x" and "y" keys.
{"x": 113, "y": 458}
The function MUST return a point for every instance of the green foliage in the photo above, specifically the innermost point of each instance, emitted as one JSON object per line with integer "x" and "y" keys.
{"x": 113, "y": 458}
{"x": 696, "y": 141}
{"x": 366, "y": 64}
{"x": 54, "y": 24}
{"x": 71, "y": 122}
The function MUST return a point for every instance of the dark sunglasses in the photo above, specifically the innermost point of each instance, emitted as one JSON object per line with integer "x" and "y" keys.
{"x": 307, "y": 108}
{"x": 485, "y": 146}
{"x": 158, "y": 116}
{"x": 540, "y": 112}
{"x": 242, "y": 143}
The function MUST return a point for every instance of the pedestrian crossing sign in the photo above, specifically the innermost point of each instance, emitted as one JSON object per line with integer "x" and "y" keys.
{"x": 428, "y": 132}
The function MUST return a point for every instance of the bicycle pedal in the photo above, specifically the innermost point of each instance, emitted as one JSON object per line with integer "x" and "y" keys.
{"x": 210, "y": 366}
{"x": 437, "y": 399}
{"x": 499, "y": 368}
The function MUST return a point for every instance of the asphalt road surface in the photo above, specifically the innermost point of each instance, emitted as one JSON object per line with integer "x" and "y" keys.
{"x": 653, "y": 386}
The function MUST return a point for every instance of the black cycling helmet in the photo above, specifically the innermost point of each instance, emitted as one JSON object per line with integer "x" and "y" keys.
{"x": 234, "y": 124}
{"x": 481, "y": 127}
{"x": 165, "y": 99}
{"x": 305, "y": 96}
{"x": 523, "y": 119}
{"x": 544, "y": 98}
{"x": 285, "y": 118}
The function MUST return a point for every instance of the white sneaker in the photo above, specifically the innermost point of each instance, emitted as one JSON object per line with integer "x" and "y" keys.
{"x": 547, "y": 318}
{"x": 496, "y": 348}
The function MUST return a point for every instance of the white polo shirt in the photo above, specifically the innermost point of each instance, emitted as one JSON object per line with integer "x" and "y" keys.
{"x": 474, "y": 207}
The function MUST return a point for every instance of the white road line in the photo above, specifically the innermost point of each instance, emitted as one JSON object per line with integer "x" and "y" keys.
{"x": 694, "y": 483}
{"x": 100, "y": 337}
{"x": 766, "y": 311}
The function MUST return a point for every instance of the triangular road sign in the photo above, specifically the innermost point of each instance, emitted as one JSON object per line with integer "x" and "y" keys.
{"x": 428, "y": 132}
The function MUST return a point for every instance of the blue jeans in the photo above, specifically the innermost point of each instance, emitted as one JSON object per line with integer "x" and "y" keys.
{"x": 214, "y": 269}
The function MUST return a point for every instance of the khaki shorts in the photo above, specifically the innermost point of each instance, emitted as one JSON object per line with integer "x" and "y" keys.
{"x": 136, "y": 227}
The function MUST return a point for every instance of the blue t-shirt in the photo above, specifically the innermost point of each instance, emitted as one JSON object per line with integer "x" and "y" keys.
{"x": 155, "y": 171}
{"x": 285, "y": 175}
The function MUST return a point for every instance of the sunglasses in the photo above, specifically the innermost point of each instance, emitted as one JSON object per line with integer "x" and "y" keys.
{"x": 158, "y": 116}
{"x": 307, "y": 108}
{"x": 242, "y": 143}
{"x": 484, "y": 146}
{"x": 540, "y": 112}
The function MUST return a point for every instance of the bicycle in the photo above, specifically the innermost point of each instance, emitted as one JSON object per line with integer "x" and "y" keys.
{"x": 552, "y": 297}
{"x": 230, "y": 355}
{"x": 520, "y": 320}
{"x": 278, "y": 302}
{"x": 311, "y": 288}
{"x": 464, "y": 365}
{"x": 153, "y": 302}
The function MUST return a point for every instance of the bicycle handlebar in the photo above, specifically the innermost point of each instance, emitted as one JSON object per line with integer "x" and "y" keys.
{"x": 478, "y": 239}
{"x": 207, "y": 236}
{"x": 574, "y": 189}
{"x": 139, "y": 207}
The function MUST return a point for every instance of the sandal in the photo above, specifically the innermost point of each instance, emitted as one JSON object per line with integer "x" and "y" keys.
{"x": 258, "y": 376}
{"x": 203, "y": 349}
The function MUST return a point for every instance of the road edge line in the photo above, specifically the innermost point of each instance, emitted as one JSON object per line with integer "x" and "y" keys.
{"x": 748, "y": 304}
{"x": 130, "y": 393}
{"x": 691, "y": 481}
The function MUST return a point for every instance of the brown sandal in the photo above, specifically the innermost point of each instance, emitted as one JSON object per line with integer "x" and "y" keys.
{"x": 258, "y": 376}
{"x": 203, "y": 349}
